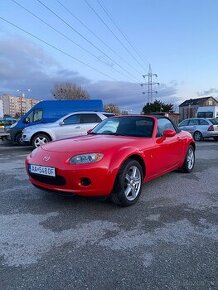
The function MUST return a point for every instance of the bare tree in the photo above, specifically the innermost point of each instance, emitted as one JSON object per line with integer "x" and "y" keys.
{"x": 69, "y": 91}
{"x": 111, "y": 108}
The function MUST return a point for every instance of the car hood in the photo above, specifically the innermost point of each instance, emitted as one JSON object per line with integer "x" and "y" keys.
{"x": 90, "y": 143}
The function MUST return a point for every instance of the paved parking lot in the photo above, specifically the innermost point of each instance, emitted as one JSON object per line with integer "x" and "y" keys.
{"x": 168, "y": 240}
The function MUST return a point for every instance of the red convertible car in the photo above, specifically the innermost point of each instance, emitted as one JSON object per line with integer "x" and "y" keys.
{"x": 114, "y": 159}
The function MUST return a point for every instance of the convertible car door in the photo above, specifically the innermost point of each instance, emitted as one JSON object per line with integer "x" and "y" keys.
{"x": 166, "y": 154}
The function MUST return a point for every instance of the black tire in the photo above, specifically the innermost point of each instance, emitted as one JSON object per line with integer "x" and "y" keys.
{"x": 189, "y": 161}
{"x": 18, "y": 139}
{"x": 128, "y": 184}
{"x": 215, "y": 138}
{"x": 198, "y": 136}
{"x": 40, "y": 139}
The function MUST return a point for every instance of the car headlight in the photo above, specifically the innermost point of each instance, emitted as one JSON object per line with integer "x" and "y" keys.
{"x": 86, "y": 158}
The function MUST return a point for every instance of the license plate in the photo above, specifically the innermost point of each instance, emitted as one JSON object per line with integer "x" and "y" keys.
{"x": 42, "y": 170}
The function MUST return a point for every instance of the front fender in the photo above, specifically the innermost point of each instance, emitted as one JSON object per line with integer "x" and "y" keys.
{"x": 120, "y": 157}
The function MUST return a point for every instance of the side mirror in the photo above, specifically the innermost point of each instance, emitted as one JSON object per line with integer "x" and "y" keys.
{"x": 61, "y": 123}
{"x": 169, "y": 133}
{"x": 27, "y": 120}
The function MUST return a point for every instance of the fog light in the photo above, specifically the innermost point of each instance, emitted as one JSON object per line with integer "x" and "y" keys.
{"x": 85, "y": 181}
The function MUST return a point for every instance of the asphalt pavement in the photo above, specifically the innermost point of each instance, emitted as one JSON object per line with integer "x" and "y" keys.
{"x": 168, "y": 240}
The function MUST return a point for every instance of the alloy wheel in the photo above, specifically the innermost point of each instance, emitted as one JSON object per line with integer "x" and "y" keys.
{"x": 133, "y": 182}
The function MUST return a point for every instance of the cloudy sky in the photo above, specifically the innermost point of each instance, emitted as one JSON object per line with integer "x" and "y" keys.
{"x": 107, "y": 45}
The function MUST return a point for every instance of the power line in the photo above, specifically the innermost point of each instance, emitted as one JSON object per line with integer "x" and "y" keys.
{"x": 124, "y": 35}
{"x": 58, "y": 49}
{"x": 102, "y": 20}
{"x": 64, "y": 35}
{"x": 100, "y": 39}
{"x": 91, "y": 43}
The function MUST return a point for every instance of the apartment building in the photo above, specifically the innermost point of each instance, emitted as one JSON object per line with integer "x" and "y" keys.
{"x": 16, "y": 105}
{"x": 1, "y": 109}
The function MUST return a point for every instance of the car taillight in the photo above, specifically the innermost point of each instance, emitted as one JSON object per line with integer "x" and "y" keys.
{"x": 211, "y": 128}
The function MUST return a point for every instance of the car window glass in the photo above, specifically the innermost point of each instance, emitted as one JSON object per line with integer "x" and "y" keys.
{"x": 136, "y": 126}
{"x": 29, "y": 117}
{"x": 144, "y": 127}
{"x": 208, "y": 114}
{"x": 164, "y": 124}
{"x": 73, "y": 119}
{"x": 193, "y": 122}
{"x": 214, "y": 121}
{"x": 34, "y": 116}
{"x": 89, "y": 118}
{"x": 184, "y": 123}
{"x": 37, "y": 115}
{"x": 109, "y": 127}
{"x": 203, "y": 122}
{"x": 205, "y": 114}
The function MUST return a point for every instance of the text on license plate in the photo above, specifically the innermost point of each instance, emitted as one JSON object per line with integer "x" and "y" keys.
{"x": 43, "y": 170}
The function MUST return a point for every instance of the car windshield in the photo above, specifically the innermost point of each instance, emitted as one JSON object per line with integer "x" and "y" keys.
{"x": 136, "y": 126}
{"x": 214, "y": 121}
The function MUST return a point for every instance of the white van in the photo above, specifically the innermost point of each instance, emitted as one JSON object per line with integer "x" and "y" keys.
{"x": 207, "y": 112}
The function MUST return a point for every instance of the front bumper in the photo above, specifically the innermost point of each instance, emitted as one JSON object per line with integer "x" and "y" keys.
{"x": 84, "y": 180}
{"x": 26, "y": 137}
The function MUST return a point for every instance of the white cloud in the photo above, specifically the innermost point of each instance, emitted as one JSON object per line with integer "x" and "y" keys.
{"x": 207, "y": 92}
{"x": 25, "y": 65}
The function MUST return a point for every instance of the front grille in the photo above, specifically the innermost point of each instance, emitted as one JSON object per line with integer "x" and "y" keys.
{"x": 58, "y": 180}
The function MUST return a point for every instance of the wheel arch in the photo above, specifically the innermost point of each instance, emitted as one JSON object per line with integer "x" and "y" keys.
{"x": 116, "y": 196}
{"x": 15, "y": 139}
{"x": 193, "y": 145}
{"x": 198, "y": 131}
{"x": 37, "y": 133}
{"x": 140, "y": 161}
{"x": 17, "y": 133}
{"x": 136, "y": 157}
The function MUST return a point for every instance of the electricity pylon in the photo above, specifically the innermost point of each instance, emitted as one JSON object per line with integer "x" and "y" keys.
{"x": 150, "y": 84}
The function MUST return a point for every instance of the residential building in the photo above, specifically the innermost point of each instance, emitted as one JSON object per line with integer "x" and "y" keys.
{"x": 188, "y": 108}
{"x": 1, "y": 109}
{"x": 16, "y": 105}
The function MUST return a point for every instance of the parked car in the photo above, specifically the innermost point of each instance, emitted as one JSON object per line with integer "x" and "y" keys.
{"x": 114, "y": 159}
{"x": 6, "y": 122}
{"x": 73, "y": 124}
{"x": 48, "y": 111}
{"x": 200, "y": 128}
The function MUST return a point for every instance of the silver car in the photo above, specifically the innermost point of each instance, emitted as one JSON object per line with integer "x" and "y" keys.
{"x": 200, "y": 128}
{"x": 74, "y": 124}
